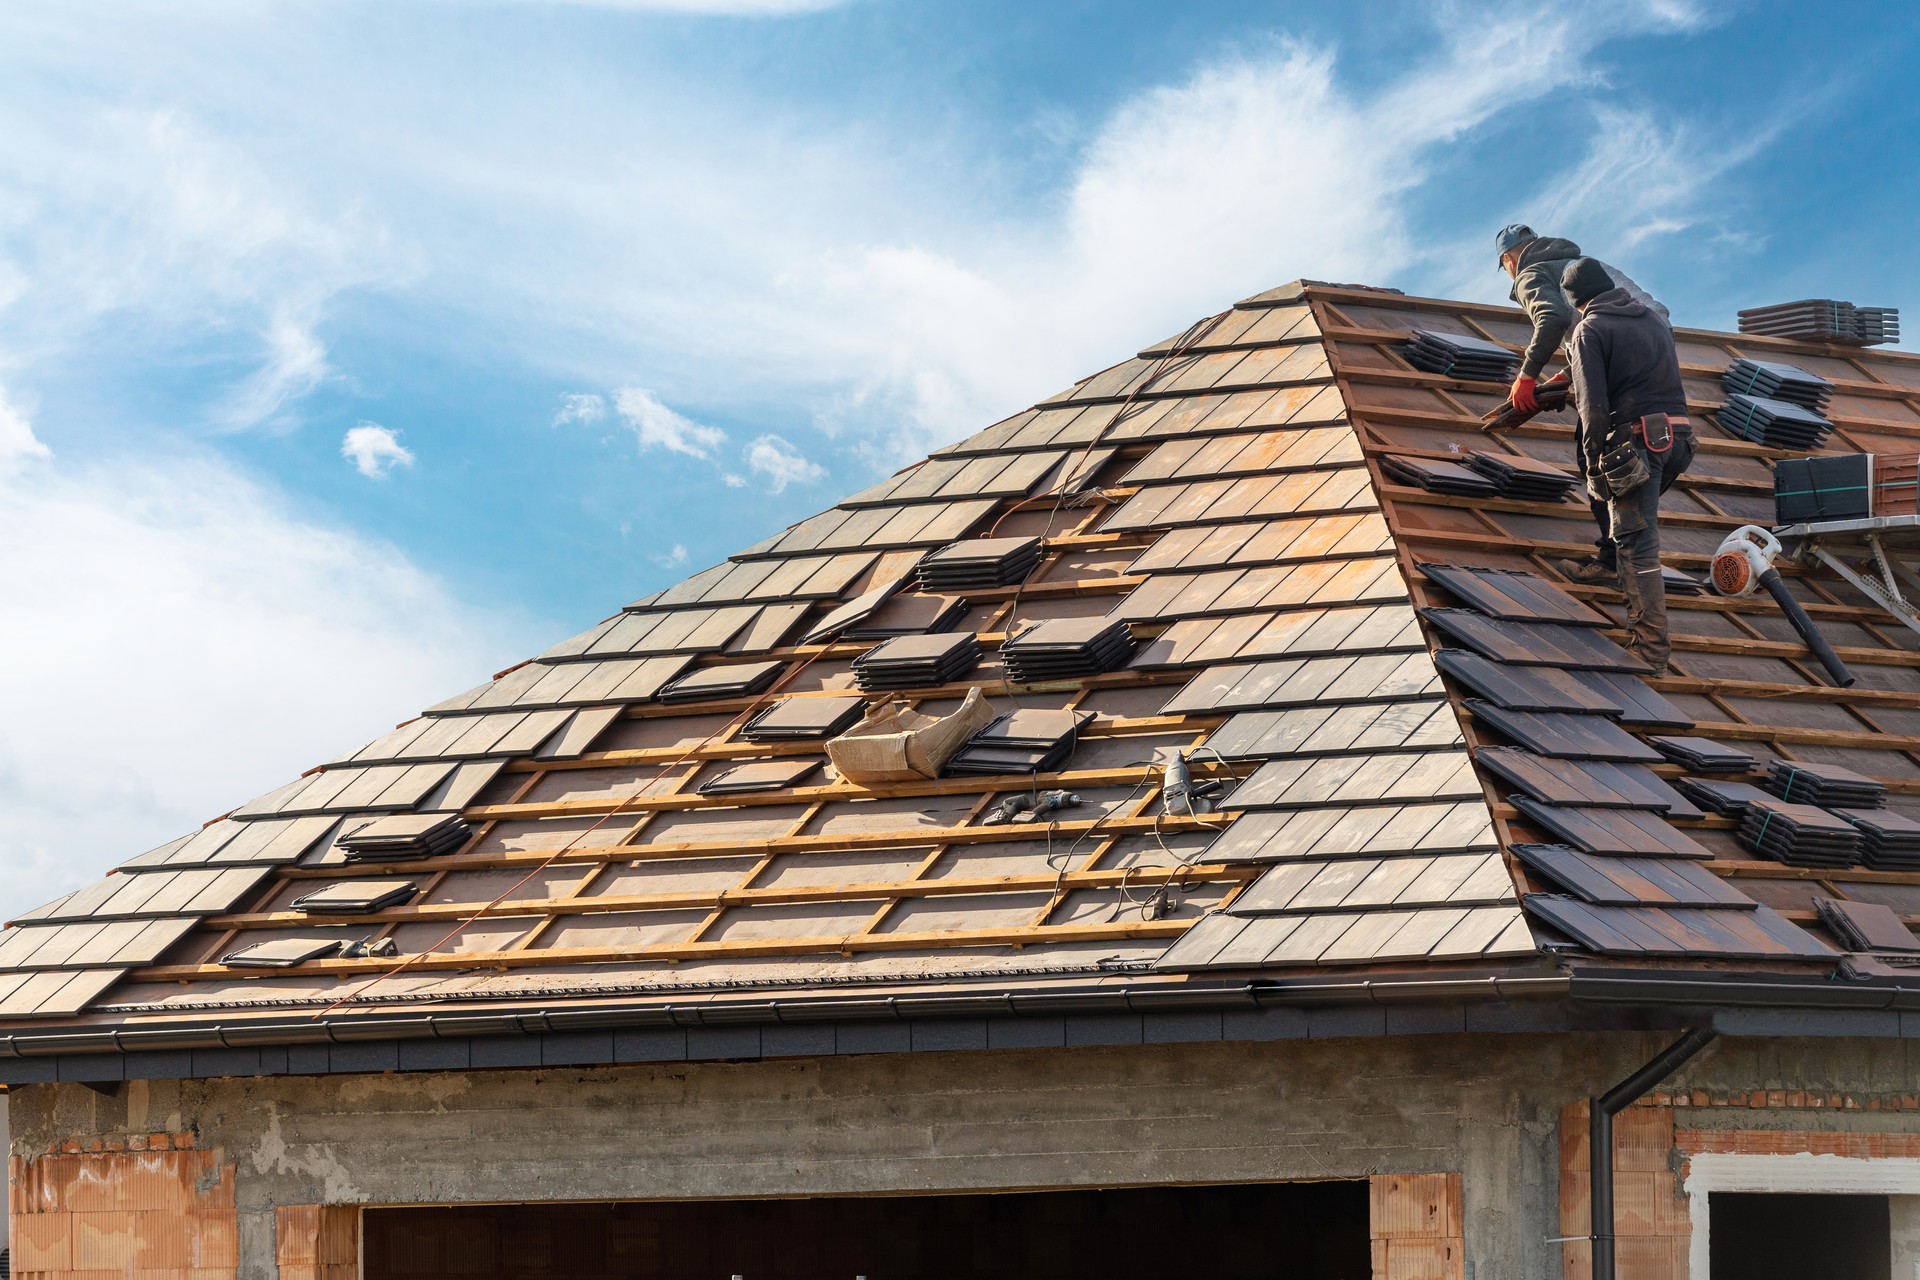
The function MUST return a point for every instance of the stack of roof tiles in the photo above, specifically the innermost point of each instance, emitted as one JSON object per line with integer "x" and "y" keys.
{"x": 914, "y": 662}
{"x": 1824, "y": 320}
{"x": 1777, "y": 424}
{"x": 1459, "y": 355}
{"x": 1520, "y": 477}
{"x": 986, "y": 562}
{"x": 1776, "y": 380}
{"x": 1067, "y": 649}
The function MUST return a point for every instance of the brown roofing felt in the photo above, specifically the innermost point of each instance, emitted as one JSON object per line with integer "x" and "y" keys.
{"x": 1223, "y": 494}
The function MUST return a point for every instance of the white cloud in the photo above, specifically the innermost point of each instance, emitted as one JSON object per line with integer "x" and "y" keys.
{"x": 672, "y": 558}
{"x": 733, "y": 480}
{"x": 18, "y": 444}
{"x": 657, "y": 427}
{"x": 781, "y": 463}
{"x": 374, "y": 450}
{"x": 178, "y": 644}
{"x": 580, "y": 406}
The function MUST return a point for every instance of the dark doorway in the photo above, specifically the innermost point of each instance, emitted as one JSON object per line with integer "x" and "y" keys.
{"x": 1300, "y": 1231}
{"x": 1768, "y": 1237}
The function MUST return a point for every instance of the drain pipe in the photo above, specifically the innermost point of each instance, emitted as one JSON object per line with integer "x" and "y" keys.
{"x": 1601, "y": 1112}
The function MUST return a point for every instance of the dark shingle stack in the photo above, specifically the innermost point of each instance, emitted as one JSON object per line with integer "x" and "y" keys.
{"x": 1892, "y": 839}
{"x": 1728, "y": 799}
{"x": 1827, "y": 785}
{"x": 1458, "y": 356}
{"x": 909, "y": 616}
{"x": 405, "y": 835}
{"x": 917, "y": 662}
{"x": 979, "y": 563}
{"x": 1704, "y": 755}
{"x": 1439, "y": 477}
{"x": 1679, "y": 583}
{"x": 1824, "y": 320}
{"x": 1777, "y": 381}
{"x": 805, "y": 719}
{"x": 737, "y": 681}
{"x": 1778, "y": 424}
{"x": 1067, "y": 649}
{"x": 1038, "y": 741}
{"x": 1527, "y": 479}
{"x": 1800, "y": 835}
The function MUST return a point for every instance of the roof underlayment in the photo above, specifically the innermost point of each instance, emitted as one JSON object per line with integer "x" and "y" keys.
{"x": 653, "y": 818}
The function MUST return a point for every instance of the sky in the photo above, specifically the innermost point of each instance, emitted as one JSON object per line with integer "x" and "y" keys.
{"x": 352, "y": 350}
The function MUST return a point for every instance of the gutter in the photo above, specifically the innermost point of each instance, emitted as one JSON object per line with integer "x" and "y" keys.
{"x": 1243, "y": 996}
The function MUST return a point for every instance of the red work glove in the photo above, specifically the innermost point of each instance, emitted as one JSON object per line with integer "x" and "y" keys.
{"x": 1522, "y": 395}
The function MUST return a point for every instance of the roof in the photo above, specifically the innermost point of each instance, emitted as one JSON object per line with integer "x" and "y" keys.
{"x": 649, "y": 816}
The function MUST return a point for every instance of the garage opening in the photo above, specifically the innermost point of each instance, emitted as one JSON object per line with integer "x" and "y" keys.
{"x": 1301, "y": 1231}
{"x": 1791, "y": 1237}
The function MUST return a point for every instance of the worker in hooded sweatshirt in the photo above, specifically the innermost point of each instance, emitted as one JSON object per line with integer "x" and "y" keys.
{"x": 1536, "y": 264}
{"x": 1633, "y": 438}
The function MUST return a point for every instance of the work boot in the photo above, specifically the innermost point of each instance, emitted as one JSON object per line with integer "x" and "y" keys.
{"x": 1655, "y": 656}
{"x": 1588, "y": 570}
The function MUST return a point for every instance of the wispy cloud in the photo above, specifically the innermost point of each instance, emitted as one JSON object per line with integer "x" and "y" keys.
{"x": 781, "y": 464}
{"x": 18, "y": 444}
{"x": 580, "y": 406}
{"x": 374, "y": 450}
{"x": 675, "y": 557}
{"x": 657, "y": 427}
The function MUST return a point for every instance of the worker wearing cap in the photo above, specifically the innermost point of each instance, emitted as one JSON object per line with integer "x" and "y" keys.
{"x": 1633, "y": 439}
{"x": 1536, "y": 264}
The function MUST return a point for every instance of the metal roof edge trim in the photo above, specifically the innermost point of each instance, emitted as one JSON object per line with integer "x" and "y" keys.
{"x": 1248, "y": 996}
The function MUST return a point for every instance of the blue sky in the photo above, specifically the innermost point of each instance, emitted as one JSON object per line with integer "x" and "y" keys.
{"x": 350, "y": 351}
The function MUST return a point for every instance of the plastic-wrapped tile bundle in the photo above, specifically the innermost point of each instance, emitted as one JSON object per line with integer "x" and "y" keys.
{"x": 1800, "y": 835}
{"x": 1436, "y": 476}
{"x": 1824, "y": 487}
{"x": 1778, "y": 424}
{"x": 917, "y": 662}
{"x": 1524, "y": 478}
{"x": 1892, "y": 839}
{"x": 978, "y": 563}
{"x": 405, "y": 835}
{"x": 1067, "y": 649}
{"x": 1458, "y": 356}
{"x": 1704, "y": 755}
{"x": 1824, "y": 320}
{"x": 1827, "y": 785}
{"x": 1777, "y": 381}
{"x": 1028, "y": 741}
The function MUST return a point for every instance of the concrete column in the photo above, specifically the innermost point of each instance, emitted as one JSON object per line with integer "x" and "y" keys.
{"x": 1904, "y": 1215}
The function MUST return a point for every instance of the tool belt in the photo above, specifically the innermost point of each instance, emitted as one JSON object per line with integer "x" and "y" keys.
{"x": 1622, "y": 467}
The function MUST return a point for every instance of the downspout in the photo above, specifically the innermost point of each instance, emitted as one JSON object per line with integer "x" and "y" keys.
{"x": 1601, "y": 1112}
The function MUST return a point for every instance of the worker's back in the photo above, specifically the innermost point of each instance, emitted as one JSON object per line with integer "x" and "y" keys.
{"x": 1641, "y": 366}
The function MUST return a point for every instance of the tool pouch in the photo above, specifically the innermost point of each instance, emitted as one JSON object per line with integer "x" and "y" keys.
{"x": 1657, "y": 430}
{"x": 1622, "y": 467}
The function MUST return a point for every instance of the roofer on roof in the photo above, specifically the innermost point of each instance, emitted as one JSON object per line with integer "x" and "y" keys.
{"x": 1633, "y": 439}
{"x": 1536, "y": 264}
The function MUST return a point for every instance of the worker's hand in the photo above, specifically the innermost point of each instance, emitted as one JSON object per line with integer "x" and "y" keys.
{"x": 1522, "y": 395}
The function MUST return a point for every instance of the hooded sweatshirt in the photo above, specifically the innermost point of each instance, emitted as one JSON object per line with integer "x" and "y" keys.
{"x": 1624, "y": 367}
{"x": 1537, "y": 289}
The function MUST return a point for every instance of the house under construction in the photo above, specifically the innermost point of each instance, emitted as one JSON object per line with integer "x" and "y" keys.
{"x": 1185, "y": 829}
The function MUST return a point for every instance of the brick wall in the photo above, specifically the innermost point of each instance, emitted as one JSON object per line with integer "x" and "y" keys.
{"x": 1417, "y": 1226}
{"x": 160, "y": 1210}
{"x": 317, "y": 1241}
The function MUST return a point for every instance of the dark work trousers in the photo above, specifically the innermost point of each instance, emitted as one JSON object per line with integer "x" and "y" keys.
{"x": 1635, "y": 521}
